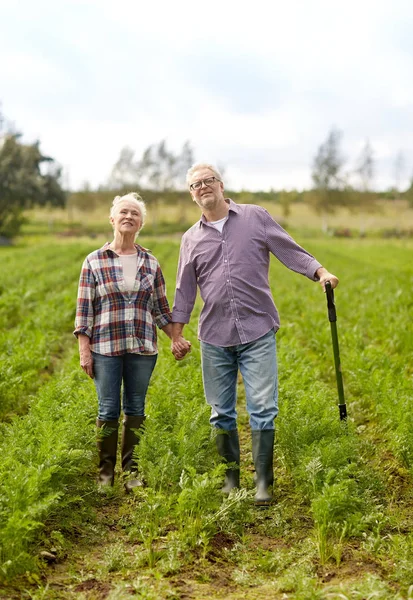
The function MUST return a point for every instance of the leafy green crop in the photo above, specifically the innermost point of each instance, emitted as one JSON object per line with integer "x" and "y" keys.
{"x": 337, "y": 486}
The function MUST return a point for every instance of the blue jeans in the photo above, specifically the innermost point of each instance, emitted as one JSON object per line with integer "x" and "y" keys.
{"x": 134, "y": 370}
{"x": 257, "y": 362}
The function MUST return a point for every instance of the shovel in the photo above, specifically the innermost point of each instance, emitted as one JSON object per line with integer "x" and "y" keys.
{"x": 332, "y": 317}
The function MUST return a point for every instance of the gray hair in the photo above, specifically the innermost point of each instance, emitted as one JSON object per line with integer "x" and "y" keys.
{"x": 131, "y": 197}
{"x": 201, "y": 165}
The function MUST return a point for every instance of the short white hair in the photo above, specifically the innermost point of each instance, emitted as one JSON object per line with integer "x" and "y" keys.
{"x": 130, "y": 197}
{"x": 201, "y": 165}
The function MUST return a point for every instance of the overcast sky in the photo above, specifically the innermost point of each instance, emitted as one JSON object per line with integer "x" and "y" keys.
{"x": 254, "y": 86}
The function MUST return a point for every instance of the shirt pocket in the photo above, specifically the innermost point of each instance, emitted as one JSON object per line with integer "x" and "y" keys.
{"x": 146, "y": 284}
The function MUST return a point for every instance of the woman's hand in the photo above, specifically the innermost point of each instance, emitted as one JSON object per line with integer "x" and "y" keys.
{"x": 86, "y": 358}
{"x": 86, "y": 362}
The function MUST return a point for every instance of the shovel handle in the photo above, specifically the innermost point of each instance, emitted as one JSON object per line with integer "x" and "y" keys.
{"x": 332, "y": 315}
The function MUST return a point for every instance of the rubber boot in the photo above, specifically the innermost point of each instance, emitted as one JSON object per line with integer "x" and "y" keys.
{"x": 107, "y": 444}
{"x": 262, "y": 454}
{"x": 129, "y": 440}
{"x": 228, "y": 448}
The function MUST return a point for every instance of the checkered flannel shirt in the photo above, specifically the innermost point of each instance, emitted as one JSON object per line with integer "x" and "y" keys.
{"x": 116, "y": 320}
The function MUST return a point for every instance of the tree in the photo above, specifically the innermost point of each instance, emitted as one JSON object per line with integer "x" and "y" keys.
{"x": 365, "y": 201}
{"x": 399, "y": 168}
{"x": 408, "y": 194}
{"x": 27, "y": 178}
{"x": 185, "y": 161}
{"x": 329, "y": 183}
{"x": 125, "y": 172}
{"x": 162, "y": 170}
{"x": 158, "y": 169}
{"x": 365, "y": 167}
{"x": 328, "y": 163}
{"x": 285, "y": 200}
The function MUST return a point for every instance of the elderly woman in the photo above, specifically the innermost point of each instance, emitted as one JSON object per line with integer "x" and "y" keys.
{"x": 121, "y": 300}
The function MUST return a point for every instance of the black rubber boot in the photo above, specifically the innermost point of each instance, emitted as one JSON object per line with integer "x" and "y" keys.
{"x": 107, "y": 444}
{"x": 228, "y": 448}
{"x": 262, "y": 454}
{"x": 129, "y": 440}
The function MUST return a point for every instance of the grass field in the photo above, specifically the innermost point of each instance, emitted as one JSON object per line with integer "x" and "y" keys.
{"x": 341, "y": 526}
{"x": 388, "y": 216}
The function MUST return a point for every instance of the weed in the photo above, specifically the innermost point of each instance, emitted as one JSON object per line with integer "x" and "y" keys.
{"x": 115, "y": 558}
{"x": 43, "y": 458}
{"x": 274, "y": 562}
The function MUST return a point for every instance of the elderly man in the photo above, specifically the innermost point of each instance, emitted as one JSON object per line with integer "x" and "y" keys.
{"x": 226, "y": 254}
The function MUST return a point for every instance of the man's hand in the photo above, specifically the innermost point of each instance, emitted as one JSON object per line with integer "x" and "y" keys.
{"x": 323, "y": 276}
{"x": 180, "y": 347}
{"x": 86, "y": 362}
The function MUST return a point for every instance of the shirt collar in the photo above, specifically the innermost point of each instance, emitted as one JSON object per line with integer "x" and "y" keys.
{"x": 232, "y": 206}
{"x": 106, "y": 250}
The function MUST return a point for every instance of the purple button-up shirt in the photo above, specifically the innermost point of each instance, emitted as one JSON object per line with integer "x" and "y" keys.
{"x": 231, "y": 271}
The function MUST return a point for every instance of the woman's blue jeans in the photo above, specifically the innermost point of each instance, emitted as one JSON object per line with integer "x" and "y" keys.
{"x": 134, "y": 371}
{"x": 257, "y": 362}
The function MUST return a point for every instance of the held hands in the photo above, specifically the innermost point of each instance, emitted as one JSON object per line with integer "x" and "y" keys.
{"x": 180, "y": 347}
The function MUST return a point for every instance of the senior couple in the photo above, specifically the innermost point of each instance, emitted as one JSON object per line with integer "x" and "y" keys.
{"x": 122, "y": 302}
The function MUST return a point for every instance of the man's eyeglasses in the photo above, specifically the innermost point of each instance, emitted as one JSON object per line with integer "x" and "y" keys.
{"x": 209, "y": 181}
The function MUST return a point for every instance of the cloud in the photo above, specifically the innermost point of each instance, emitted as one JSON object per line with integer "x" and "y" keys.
{"x": 255, "y": 87}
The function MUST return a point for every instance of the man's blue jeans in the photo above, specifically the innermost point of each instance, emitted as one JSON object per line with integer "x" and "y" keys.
{"x": 135, "y": 371}
{"x": 257, "y": 362}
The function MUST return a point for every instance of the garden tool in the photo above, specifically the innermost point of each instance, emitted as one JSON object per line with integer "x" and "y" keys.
{"x": 332, "y": 316}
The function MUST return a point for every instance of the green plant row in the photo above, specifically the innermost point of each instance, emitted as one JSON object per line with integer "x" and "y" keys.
{"x": 37, "y": 307}
{"x": 177, "y": 516}
{"x": 45, "y": 455}
{"x": 375, "y": 334}
{"x": 47, "y": 452}
{"x": 327, "y": 461}
{"x": 336, "y": 481}
{"x": 332, "y": 464}
{"x": 47, "y": 470}
{"x": 37, "y": 311}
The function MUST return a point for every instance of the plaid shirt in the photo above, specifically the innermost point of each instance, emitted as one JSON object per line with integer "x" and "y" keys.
{"x": 115, "y": 320}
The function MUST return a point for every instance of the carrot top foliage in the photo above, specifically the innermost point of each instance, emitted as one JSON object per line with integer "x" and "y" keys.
{"x": 343, "y": 492}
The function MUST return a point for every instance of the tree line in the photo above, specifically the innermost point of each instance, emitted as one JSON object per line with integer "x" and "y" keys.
{"x": 29, "y": 178}
{"x": 333, "y": 187}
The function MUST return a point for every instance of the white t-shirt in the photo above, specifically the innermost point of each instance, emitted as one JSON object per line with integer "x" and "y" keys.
{"x": 219, "y": 224}
{"x": 129, "y": 266}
